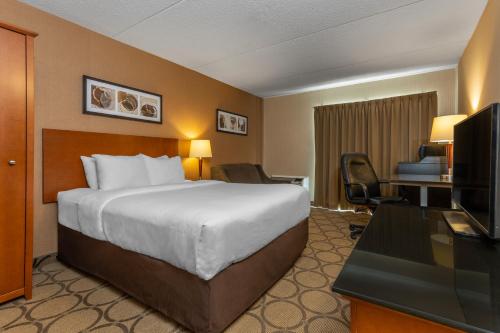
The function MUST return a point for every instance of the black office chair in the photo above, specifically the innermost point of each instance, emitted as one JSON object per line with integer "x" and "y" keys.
{"x": 362, "y": 187}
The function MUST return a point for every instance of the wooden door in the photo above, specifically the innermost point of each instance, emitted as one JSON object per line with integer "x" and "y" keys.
{"x": 12, "y": 161}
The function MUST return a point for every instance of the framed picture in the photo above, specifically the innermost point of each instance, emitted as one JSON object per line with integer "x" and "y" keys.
{"x": 231, "y": 123}
{"x": 103, "y": 98}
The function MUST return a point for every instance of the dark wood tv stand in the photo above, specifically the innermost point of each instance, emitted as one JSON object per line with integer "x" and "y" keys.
{"x": 409, "y": 270}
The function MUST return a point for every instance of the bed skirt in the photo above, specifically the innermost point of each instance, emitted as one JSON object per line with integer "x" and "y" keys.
{"x": 199, "y": 305}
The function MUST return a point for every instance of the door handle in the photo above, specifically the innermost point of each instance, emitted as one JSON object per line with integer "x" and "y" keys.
{"x": 12, "y": 162}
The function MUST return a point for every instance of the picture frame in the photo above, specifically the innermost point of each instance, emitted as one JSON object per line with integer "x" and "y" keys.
{"x": 109, "y": 99}
{"x": 233, "y": 123}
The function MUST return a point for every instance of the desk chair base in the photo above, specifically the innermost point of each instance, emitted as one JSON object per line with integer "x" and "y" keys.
{"x": 356, "y": 230}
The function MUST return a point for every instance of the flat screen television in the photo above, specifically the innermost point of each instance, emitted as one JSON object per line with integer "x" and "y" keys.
{"x": 476, "y": 173}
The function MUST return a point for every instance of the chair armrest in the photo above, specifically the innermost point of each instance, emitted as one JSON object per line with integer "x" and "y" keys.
{"x": 268, "y": 180}
{"x": 363, "y": 187}
{"x": 218, "y": 173}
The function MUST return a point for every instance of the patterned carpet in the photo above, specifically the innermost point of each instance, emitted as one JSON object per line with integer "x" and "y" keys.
{"x": 65, "y": 300}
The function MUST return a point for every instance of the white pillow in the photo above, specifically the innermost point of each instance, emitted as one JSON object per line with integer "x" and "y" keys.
{"x": 89, "y": 167}
{"x": 163, "y": 157}
{"x": 164, "y": 170}
{"x": 116, "y": 172}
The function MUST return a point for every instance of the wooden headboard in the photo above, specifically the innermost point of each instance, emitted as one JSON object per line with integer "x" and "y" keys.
{"x": 62, "y": 167}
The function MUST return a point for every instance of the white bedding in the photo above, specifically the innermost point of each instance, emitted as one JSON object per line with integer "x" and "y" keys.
{"x": 201, "y": 227}
{"x": 67, "y": 205}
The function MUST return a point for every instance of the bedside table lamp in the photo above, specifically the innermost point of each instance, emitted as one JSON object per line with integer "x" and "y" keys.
{"x": 200, "y": 149}
{"x": 442, "y": 132}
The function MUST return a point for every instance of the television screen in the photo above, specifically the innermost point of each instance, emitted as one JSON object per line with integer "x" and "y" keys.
{"x": 472, "y": 166}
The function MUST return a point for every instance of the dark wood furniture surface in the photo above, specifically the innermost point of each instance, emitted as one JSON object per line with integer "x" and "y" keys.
{"x": 367, "y": 317}
{"x": 16, "y": 162}
{"x": 411, "y": 269}
{"x": 438, "y": 197}
{"x": 438, "y": 188}
{"x": 420, "y": 180}
{"x": 62, "y": 167}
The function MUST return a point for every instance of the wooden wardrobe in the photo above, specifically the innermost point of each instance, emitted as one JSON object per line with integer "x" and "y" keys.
{"x": 16, "y": 162}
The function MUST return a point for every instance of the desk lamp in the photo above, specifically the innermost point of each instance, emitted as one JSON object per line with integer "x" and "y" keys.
{"x": 442, "y": 132}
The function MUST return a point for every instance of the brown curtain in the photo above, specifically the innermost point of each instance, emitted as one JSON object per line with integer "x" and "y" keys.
{"x": 389, "y": 130}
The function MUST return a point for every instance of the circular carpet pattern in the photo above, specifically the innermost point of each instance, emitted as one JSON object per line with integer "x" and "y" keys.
{"x": 66, "y": 300}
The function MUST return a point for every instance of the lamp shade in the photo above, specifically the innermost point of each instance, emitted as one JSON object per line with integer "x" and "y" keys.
{"x": 200, "y": 148}
{"x": 442, "y": 127}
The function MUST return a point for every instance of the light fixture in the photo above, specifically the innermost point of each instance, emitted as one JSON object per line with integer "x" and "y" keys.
{"x": 200, "y": 149}
{"x": 442, "y": 132}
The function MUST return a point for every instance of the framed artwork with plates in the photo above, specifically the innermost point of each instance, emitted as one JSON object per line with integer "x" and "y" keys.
{"x": 230, "y": 122}
{"x": 108, "y": 99}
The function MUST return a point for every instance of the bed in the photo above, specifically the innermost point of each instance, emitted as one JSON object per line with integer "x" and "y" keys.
{"x": 199, "y": 252}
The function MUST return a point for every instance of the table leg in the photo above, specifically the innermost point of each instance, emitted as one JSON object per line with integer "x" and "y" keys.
{"x": 423, "y": 196}
{"x": 453, "y": 204}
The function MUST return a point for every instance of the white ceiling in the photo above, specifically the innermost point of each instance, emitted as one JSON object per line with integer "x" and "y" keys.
{"x": 277, "y": 47}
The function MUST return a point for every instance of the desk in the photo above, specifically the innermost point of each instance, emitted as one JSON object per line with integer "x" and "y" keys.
{"x": 422, "y": 181}
{"x": 410, "y": 273}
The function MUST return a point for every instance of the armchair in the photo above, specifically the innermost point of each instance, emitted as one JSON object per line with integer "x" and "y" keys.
{"x": 243, "y": 173}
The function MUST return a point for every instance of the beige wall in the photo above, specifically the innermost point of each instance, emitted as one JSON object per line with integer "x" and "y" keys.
{"x": 288, "y": 120}
{"x": 479, "y": 68}
{"x": 64, "y": 52}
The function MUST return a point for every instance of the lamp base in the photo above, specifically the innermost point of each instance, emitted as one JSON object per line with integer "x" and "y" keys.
{"x": 200, "y": 168}
{"x": 449, "y": 155}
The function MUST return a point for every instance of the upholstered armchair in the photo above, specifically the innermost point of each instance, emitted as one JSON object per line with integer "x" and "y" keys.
{"x": 242, "y": 173}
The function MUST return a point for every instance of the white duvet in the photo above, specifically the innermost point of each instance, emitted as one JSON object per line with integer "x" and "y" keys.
{"x": 201, "y": 227}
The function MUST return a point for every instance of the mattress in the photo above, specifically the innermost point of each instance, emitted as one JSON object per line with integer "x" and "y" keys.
{"x": 201, "y": 227}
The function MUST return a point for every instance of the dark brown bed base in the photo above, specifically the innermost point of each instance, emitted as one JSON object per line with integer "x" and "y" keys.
{"x": 197, "y": 304}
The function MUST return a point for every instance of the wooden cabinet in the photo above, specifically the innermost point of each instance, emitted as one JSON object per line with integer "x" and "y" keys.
{"x": 16, "y": 162}
{"x": 370, "y": 318}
